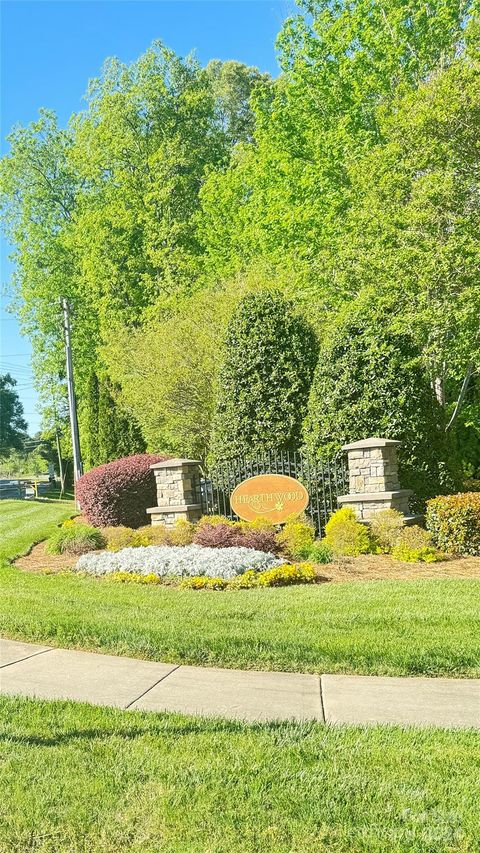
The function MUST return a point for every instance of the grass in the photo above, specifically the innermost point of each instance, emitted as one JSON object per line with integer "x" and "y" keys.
{"x": 386, "y": 628}
{"x": 75, "y": 778}
{"x": 22, "y": 523}
{"x": 396, "y": 628}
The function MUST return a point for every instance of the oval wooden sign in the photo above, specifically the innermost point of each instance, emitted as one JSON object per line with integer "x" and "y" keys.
{"x": 273, "y": 497}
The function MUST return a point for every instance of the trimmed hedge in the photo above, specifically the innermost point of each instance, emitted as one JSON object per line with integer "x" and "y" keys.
{"x": 270, "y": 356}
{"x": 119, "y": 492}
{"x": 454, "y": 522}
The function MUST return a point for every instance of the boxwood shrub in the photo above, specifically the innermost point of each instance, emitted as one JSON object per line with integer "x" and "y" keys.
{"x": 119, "y": 492}
{"x": 454, "y": 522}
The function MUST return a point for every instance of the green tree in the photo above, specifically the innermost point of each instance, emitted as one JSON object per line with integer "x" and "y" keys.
{"x": 13, "y": 426}
{"x": 284, "y": 198}
{"x": 233, "y": 85}
{"x": 168, "y": 371}
{"x": 109, "y": 433}
{"x": 370, "y": 381}
{"x": 412, "y": 226}
{"x": 270, "y": 356}
{"x": 104, "y": 211}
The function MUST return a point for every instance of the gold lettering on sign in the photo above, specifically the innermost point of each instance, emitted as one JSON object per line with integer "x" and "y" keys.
{"x": 271, "y": 496}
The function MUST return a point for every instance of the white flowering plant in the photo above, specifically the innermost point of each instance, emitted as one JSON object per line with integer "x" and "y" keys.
{"x": 186, "y": 561}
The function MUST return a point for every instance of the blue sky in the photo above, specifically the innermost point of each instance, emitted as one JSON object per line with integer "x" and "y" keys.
{"x": 51, "y": 49}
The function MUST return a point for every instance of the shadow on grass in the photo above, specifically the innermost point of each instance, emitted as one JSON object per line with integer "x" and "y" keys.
{"x": 168, "y": 727}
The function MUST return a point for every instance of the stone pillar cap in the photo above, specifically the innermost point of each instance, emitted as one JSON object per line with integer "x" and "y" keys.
{"x": 366, "y": 443}
{"x": 175, "y": 463}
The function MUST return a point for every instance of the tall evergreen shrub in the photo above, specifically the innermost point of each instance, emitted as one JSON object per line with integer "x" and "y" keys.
{"x": 270, "y": 356}
{"x": 370, "y": 381}
{"x": 109, "y": 432}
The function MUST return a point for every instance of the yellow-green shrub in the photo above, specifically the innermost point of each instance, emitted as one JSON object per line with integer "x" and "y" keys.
{"x": 296, "y": 537}
{"x": 345, "y": 535}
{"x": 203, "y": 582}
{"x": 283, "y": 575}
{"x": 279, "y": 576}
{"x": 118, "y": 537}
{"x": 287, "y": 574}
{"x": 248, "y": 580}
{"x": 454, "y": 522}
{"x": 415, "y": 545}
{"x": 182, "y": 532}
{"x": 385, "y": 528}
{"x": 131, "y": 577}
{"x": 125, "y": 537}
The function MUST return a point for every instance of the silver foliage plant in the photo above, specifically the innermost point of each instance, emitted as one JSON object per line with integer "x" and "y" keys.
{"x": 190, "y": 560}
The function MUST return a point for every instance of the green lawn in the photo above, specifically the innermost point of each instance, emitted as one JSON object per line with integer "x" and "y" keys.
{"x": 24, "y": 522}
{"x": 415, "y": 627}
{"x": 76, "y": 778}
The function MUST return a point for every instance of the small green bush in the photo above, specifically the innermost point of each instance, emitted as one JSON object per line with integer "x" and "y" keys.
{"x": 318, "y": 552}
{"x": 75, "y": 539}
{"x": 415, "y": 545}
{"x": 454, "y": 522}
{"x": 385, "y": 528}
{"x": 296, "y": 536}
{"x": 345, "y": 535}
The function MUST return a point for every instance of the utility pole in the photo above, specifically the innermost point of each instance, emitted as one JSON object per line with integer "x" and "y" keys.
{"x": 60, "y": 462}
{"x": 72, "y": 404}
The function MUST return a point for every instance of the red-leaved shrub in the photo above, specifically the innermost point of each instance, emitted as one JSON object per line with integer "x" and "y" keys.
{"x": 217, "y": 536}
{"x": 220, "y": 535}
{"x": 261, "y": 540}
{"x": 119, "y": 492}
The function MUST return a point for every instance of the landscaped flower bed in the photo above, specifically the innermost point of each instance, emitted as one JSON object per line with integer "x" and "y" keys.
{"x": 167, "y": 560}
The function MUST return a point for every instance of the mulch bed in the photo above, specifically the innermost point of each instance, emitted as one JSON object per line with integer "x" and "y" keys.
{"x": 364, "y": 568}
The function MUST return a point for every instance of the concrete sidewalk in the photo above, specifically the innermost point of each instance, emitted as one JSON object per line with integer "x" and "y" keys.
{"x": 48, "y": 673}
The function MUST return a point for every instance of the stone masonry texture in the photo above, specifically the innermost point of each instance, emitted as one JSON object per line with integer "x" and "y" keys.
{"x": 373, "y": 470}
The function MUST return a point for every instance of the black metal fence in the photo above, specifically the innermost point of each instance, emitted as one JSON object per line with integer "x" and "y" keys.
{"x": 324, "y": 481}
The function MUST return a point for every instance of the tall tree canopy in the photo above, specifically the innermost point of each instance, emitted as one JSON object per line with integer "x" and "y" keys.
{"x": 355, "y": 172}
{"x": 13, "y": 426}
{"x": 103, "y": 212}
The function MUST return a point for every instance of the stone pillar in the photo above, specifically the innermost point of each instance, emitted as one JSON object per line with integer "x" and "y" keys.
{"x": 373, "y": 478}
{"x": 178, "y": 495}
